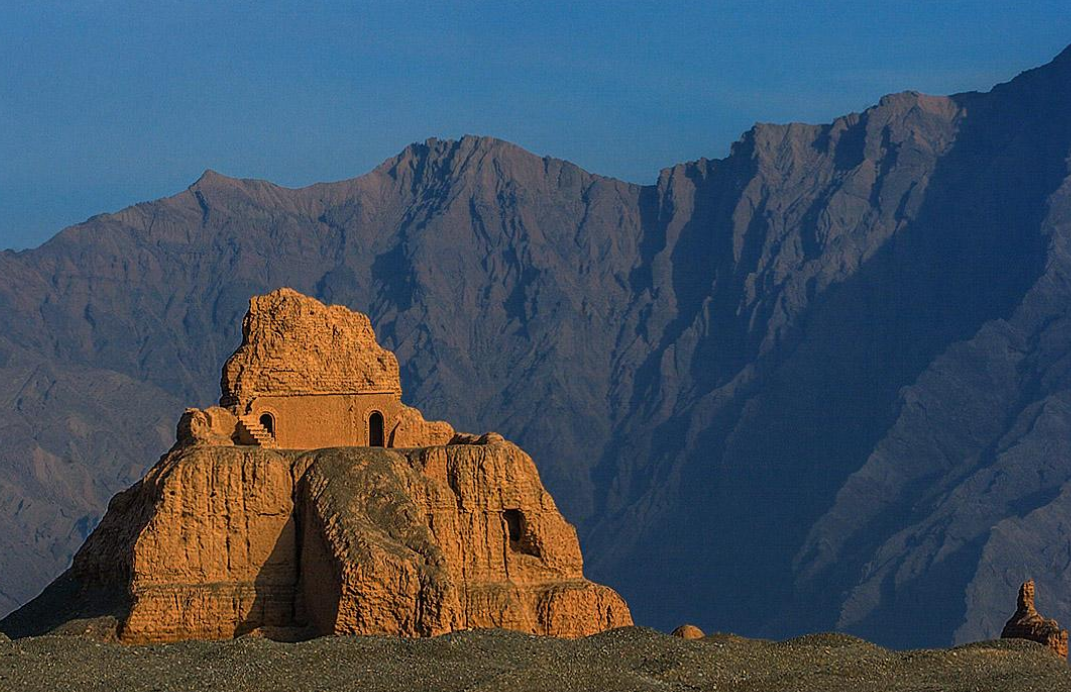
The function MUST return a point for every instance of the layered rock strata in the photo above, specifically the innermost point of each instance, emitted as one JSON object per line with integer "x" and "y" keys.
{"x": 1028, "y": 623}
{"x": 223, "y": 538}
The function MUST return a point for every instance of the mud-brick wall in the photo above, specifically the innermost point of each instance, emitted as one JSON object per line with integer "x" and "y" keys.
{"x": 326, "y": 420}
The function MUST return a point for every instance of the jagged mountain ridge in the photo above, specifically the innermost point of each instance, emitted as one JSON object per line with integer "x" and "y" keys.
{"x": 781, "y": 391}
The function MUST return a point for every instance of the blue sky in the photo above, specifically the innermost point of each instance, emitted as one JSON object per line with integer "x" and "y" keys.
{"x": 104, "y": 104}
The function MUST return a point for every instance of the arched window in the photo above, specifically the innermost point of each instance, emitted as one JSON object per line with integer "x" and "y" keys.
{"x": 267, "y": 421}
{"x": 375, "y": 429}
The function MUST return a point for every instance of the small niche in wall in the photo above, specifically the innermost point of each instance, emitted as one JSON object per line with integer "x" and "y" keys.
{"x": 517, "y": 528}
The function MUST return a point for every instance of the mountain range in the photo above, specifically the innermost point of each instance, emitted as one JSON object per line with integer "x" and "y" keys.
{"x": 821, "y": 383}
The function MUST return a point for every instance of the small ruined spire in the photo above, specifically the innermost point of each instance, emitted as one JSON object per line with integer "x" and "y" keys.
{"x": 1027, "y": 623}
{"x": 1026, "y": 598}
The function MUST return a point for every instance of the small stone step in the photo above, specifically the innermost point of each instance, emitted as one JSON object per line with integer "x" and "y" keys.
{"x": 256, "y": 431}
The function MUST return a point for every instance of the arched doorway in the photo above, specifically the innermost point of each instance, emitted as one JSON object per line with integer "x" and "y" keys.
{"x": 267, "y": 421}
{"x": 375, "y": 429}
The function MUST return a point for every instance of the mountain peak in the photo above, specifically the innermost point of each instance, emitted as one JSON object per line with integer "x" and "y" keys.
{"x": 211, "y": 178}
{"x": 436, "y": 148}
{"x": 471, "y": 157}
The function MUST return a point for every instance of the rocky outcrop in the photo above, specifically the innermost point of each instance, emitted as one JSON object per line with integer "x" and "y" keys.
{"x": 1027, "y": 623}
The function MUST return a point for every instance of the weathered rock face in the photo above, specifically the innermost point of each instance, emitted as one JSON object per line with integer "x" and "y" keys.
{"x": 294, "y": 345}
{"x": 1027, "y": 623}
{"x": 441, "y": 538}
{"x": 218, "y": 541}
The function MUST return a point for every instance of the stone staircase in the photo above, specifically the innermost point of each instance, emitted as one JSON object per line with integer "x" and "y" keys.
{"x": 250, "y": 431}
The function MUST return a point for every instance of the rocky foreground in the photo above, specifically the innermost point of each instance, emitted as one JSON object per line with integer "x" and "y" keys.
{"x": 630, "y": 659}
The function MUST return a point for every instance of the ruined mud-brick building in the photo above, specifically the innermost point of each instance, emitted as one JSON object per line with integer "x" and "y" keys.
{"x": 309, "y": 376}
{"x": 314, "y": 502}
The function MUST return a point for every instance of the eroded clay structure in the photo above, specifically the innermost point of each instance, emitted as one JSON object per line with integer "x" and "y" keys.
{"x": 310, "y": 524}
{"x": 310, "y": 376}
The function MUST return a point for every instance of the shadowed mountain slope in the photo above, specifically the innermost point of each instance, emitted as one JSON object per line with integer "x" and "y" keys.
{"x": 822, "y": 382}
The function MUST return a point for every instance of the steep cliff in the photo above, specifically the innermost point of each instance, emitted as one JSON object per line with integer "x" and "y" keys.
{"x": 819, "y": 383}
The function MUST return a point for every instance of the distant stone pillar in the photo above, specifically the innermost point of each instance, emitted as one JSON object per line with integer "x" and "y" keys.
{"x": 1027, "y": 623}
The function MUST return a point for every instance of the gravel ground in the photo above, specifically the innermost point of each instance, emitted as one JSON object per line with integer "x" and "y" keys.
{"x": 630, "y": 659}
